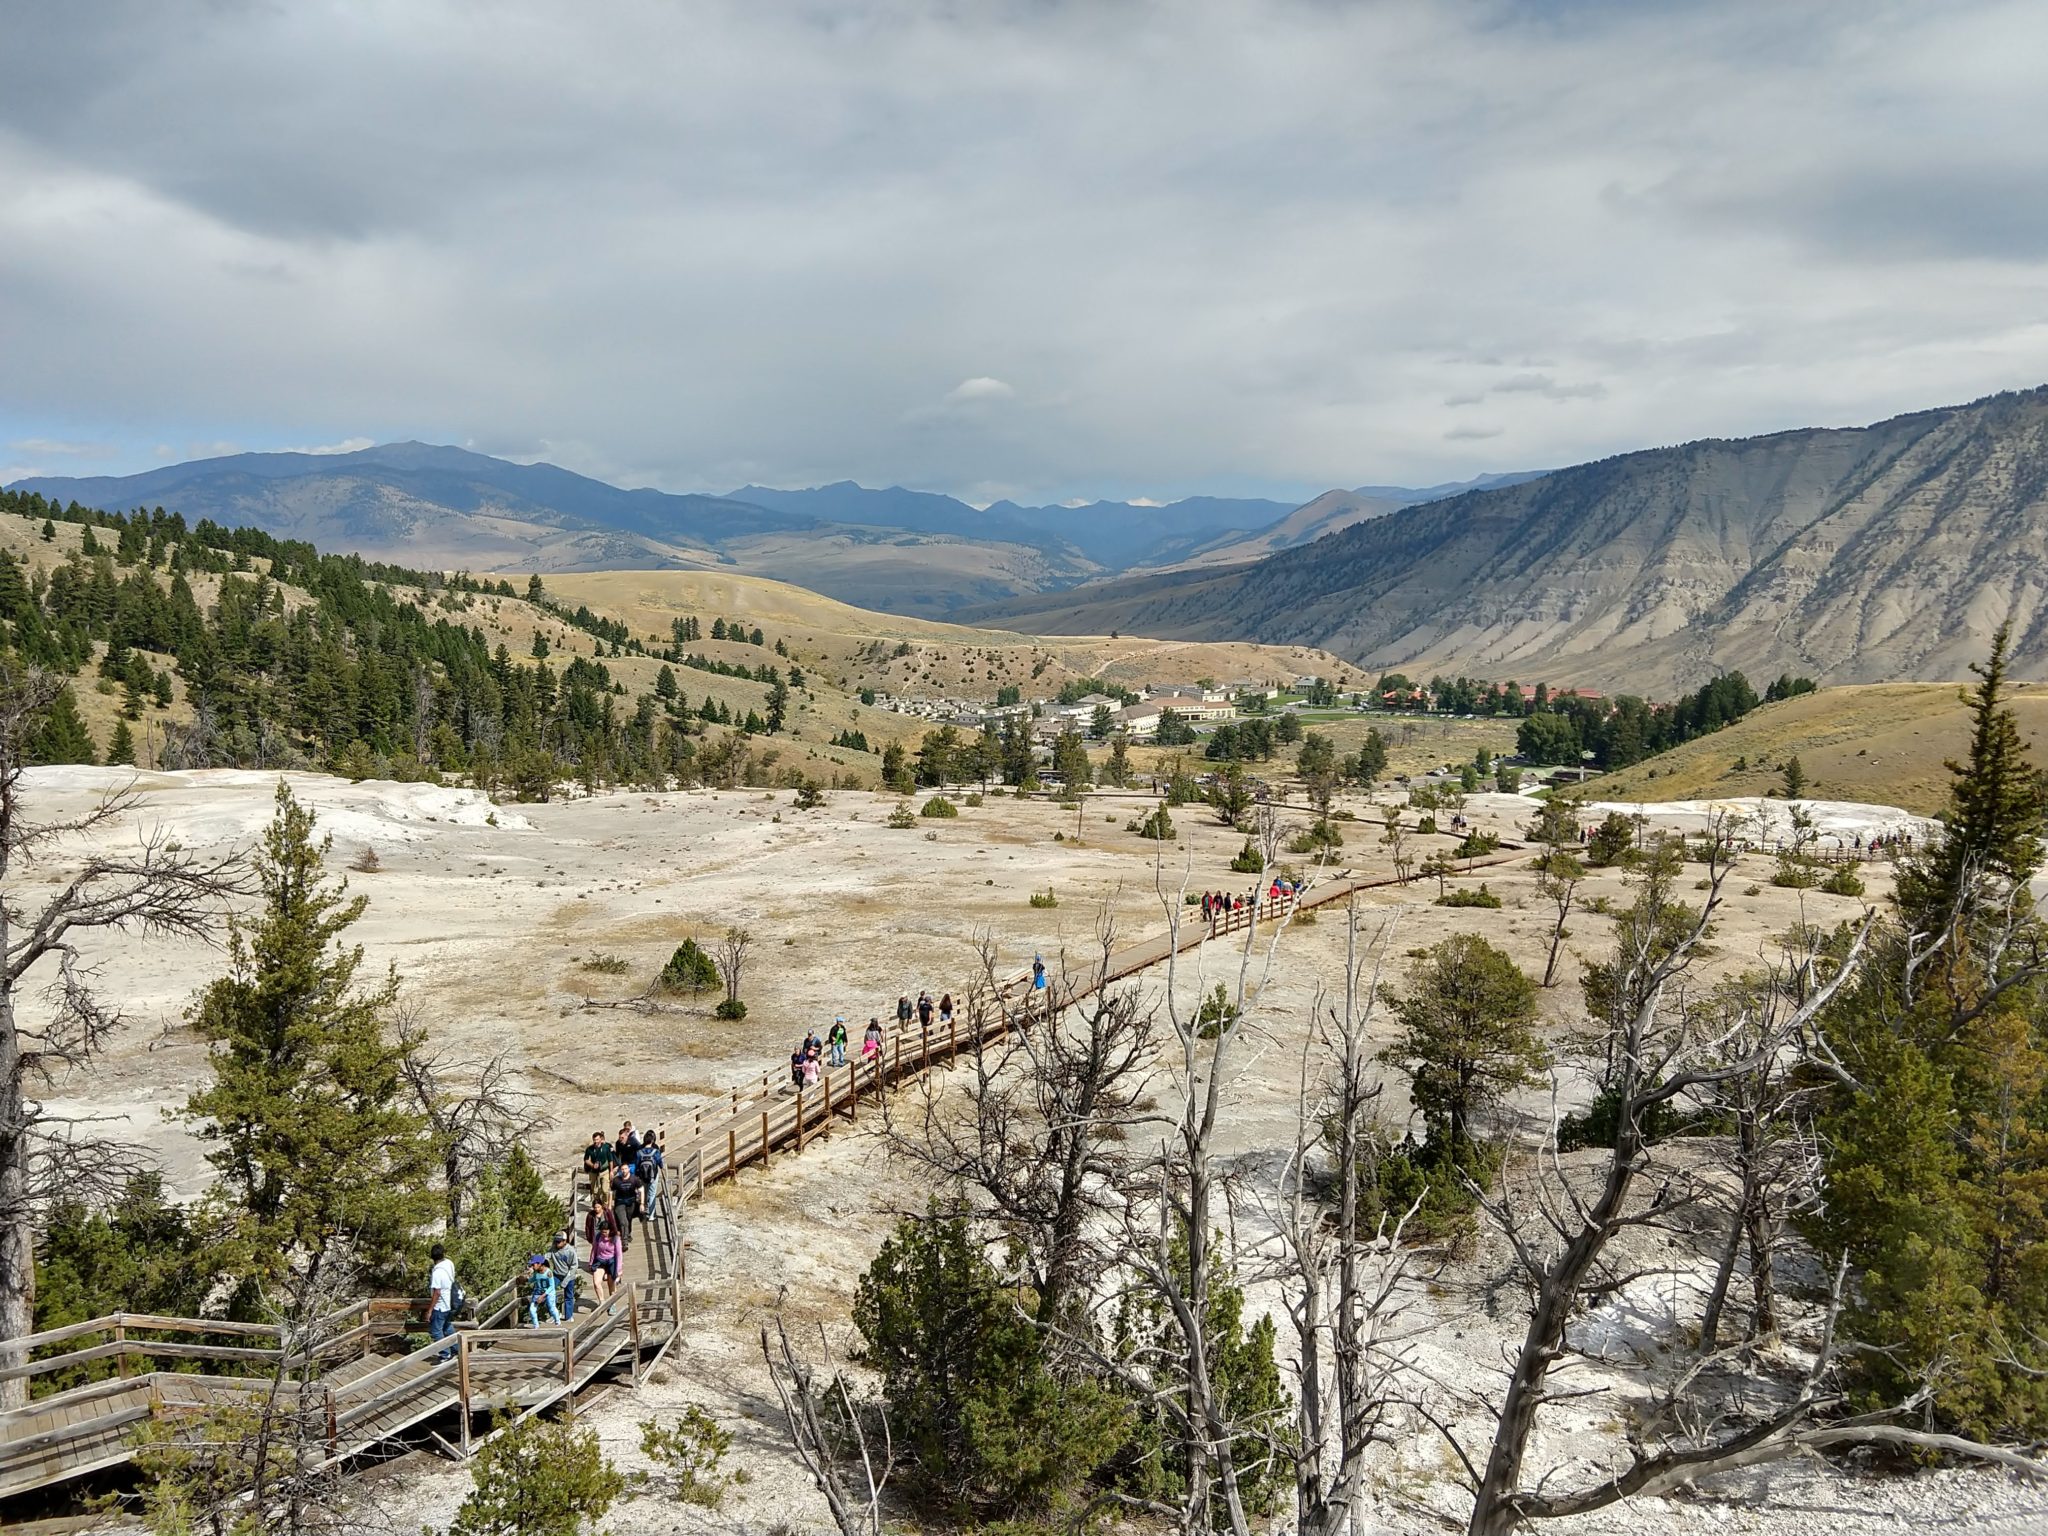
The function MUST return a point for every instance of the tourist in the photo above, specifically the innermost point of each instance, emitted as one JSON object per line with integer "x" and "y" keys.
{"x": 1038, "y": 973}
{"x": 835, "y": 1040}
{"x": 540, "y": 1290}
{"x": 653, "y": 1158}
{"x": 903, "y": 1011}
{"x": 796, "y": 1067}
{"x": 924, "y": 1010}
{"x": 597, "y": 1161}
{"x": 604, "y": 1262}
{"x": 562, "y": 1261}
{"x": 814, "y": 1056}
{"x": 871, "y": 1042}
{"x": 626, "y": 1202}
{"x": 946, "y": 1009}
{"x": 442, "y": 1291}
{"x": 627, "y": 1147}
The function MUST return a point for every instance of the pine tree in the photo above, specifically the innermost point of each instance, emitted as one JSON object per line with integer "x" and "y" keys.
{"x": 307, "y": 1109}
{"x": 1937, "y": 1149}
{"x": 122, "y": 749}
{"x": 1991, "y": 827}
{"x": 62, "y": 737}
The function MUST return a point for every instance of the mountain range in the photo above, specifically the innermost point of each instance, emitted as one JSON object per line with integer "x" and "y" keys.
{"x": 1888, "y": 552}
{"x": 903, "y": 551}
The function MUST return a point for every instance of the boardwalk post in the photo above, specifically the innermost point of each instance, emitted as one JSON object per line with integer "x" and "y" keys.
{"x": 799, "y": 1117}
{"x": 732, "y": 1152}
{"x": 764, "y": 1138}
{"x": 700, "y": 1168}
{"x": 633, "y": 1311}
{"x": 461, "y": 1383}
{"x": 826, "y": 1118}
{"x": 925, "y": 1037}
{"x": 853, "y": 1091}
{"x": 121, "y": 1338}
{"x": 569, "y": 1353}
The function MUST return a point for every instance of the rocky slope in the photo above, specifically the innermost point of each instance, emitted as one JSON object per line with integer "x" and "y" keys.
{"x": 1859, "y": 555}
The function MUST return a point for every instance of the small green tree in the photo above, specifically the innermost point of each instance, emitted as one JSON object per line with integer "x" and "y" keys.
{"x": 691, "y": 1451}
{"x": 1612, "y": 842}
{"x": 989, "y": 1427}
{"x": 1117, "y": 771}
{"x": 896, "y": 774}
{"x": 1158, "y": 826}
{"x": 1231, "y": 794}
{"x": 1794, "y": 778}
{"x": 689, "y": 970}
{"x": 539, "y": 1478}
{"x": 1070, "y": 760}
{"x": 1466, "y": 1039}
{"x": 62, "y": 736}
{"x": 122, "y": 748}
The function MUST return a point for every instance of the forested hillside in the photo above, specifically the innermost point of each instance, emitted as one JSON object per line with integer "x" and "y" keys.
{"x": 217, "y": 647}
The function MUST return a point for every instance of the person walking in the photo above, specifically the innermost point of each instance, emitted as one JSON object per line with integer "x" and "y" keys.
{"x": 442, "y": 1292}
{"x": 924, "y": 1010}
{"x": 871, "y": 1042}
{"x": 626, "y": 1203}
{"x": 1038, "y": 973}
{"x": 597, "y": 1161}
{"x": 653, "y": 1158}
{"x": 835, "y": 1041}
{"x": 604, "y": 1263}
{"x": 627, "y": 1147}
{"x": 562, "y": 1261}
{"x": 540, "y": 1290}
{"x": 946, "y": 1009}
{"x": 903, "y": 1011}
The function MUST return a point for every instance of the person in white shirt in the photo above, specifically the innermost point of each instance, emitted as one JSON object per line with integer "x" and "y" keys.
{"x": 441, "y": 1304}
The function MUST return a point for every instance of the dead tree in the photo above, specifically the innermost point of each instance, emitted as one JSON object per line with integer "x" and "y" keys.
{"x": 732, "y": 959}
{"x": 1174, "y": 1203}
{"x": 1560, "y": 1240}
{"x": 1052, "y": 1100}
{"x": 472, "y": 1109}
{"x": 1773, "y": 1153}
{"x": 262, "y": 1460}
{"x": 157, "y": 889}
{"x": 1340, "y": 1277}
{"x": 831, "y": 1436}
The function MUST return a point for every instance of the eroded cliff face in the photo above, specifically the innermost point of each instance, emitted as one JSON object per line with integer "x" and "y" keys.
{"x": 1884, "y": 552}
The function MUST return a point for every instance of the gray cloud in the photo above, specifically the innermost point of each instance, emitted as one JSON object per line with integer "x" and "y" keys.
{"x": 1205, "y": 246}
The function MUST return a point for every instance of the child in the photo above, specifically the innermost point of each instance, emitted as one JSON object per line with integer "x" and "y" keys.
{"x": 540, "y": 1290}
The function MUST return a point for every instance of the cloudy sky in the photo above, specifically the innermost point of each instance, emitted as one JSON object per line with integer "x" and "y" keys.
{"x": 1033, "y": 249}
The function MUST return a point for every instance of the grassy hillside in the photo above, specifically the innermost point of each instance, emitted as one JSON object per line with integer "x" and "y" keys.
{"x": 1882, "y": 742}
{"x": 858, "y": 648}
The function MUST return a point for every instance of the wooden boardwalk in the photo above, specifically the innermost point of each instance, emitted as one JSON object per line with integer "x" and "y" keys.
{"x": 363, "y": 1398}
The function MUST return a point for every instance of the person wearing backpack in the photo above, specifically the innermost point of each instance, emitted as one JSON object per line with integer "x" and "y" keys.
{"x": 444, "y": 1297}
{"x": 652, "y": 1160}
